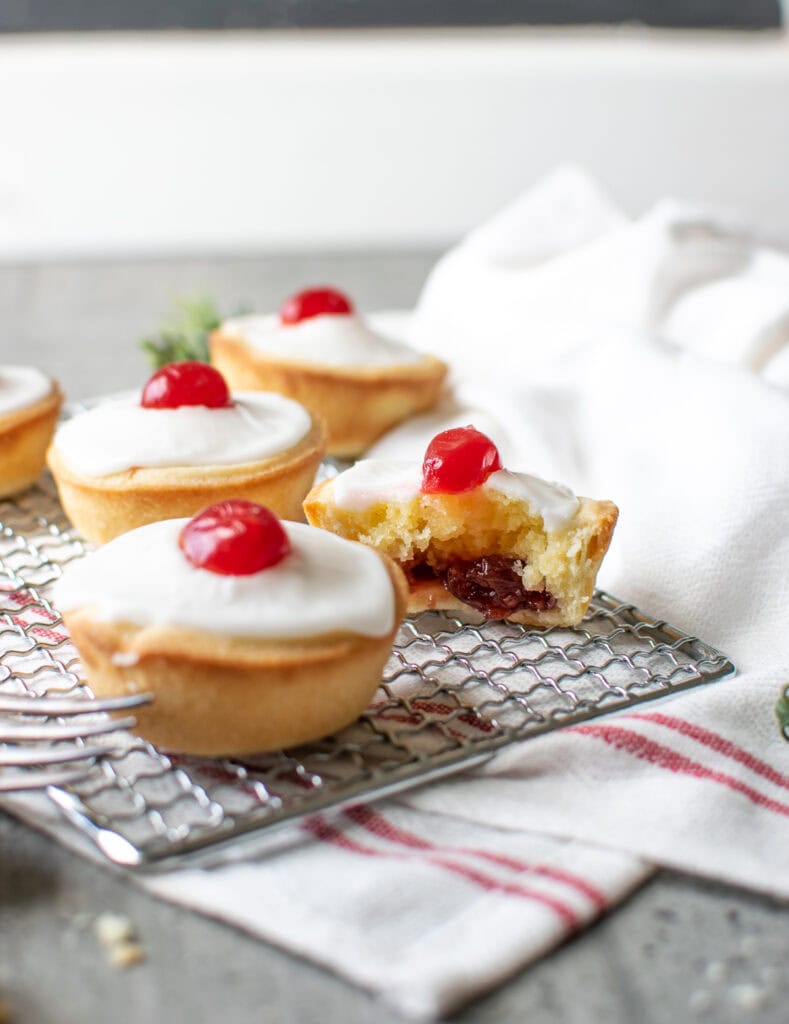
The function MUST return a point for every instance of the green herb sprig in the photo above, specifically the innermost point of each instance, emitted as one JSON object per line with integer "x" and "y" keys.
{"x": 185, "y": 336}
{"x": 782, "y": 713}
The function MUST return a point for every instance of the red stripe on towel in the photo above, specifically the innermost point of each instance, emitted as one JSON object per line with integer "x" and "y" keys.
{"x": 381, "y": 826}
{"x": 717, "y": 743}
{"x": 664, "y": 757}
{"x": 52, "y": 635}
{"x": 328, "y": 834}
{"x": 23, "y": 598}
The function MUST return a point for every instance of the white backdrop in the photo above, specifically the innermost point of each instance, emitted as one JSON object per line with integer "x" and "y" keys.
{"x": 138, "y": 144}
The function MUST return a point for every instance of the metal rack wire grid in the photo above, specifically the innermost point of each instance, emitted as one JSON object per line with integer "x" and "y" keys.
{"x": 454, "y": 691}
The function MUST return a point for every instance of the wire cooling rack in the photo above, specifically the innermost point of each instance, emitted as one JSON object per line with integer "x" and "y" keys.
{"x": 454, "y": 691}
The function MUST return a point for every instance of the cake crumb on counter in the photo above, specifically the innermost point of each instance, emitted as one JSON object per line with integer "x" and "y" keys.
{"x": 700, "y": 1001}
{"x": 126, "y": 954}
{"x": 118, "y": 936}
{"x": 750, "y": 997}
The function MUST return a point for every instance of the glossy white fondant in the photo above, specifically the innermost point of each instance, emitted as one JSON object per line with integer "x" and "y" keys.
{"x": 21, "y": 386}
{"x": 555, "y": 503}
{"x": 330, "y": 340}
{"x": 372, "y": 481}
{"x": 120, "y": 434}
{"x": 325, "y": 585}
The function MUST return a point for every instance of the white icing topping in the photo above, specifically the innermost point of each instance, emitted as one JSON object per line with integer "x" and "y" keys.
{"x": 121, "y": 434}
{"x": 326, "y": 585}
{"x": 21, "y": 386}
{"x": 555, "y": 503}
{"x": 329, "y": 340}
{"x": 371, "y": 481}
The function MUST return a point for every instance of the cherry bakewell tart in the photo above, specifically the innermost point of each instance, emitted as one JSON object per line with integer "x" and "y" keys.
{"x": 186, "y": 442}
{"x": 252, "y": 634}
{"x": 29, "y": 406}
{"x": 318, "y": 351}
{"x": 469, "y": 534}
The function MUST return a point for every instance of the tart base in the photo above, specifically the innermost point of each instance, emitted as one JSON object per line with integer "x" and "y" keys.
{"x": 24, "y": 437}
{"x": 357, "y": 404}
{"x": 217, "y": 695}
{"x": 104, "y": 507}
{"x": 435, "y": 532}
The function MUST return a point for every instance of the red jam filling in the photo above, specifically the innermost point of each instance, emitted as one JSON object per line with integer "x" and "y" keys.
{"x": 490, "y": 584}
{"x": 314, "y": 302}
{"x": 458, "y": 460}
{"x": 234, "y": 538}
{"x": 187, "y": 383}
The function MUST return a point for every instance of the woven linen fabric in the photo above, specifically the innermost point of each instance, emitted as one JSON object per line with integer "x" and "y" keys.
{"x": 643, "y": 361}
{"x": 647, "y": 362}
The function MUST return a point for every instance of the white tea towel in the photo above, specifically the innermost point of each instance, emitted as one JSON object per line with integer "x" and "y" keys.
{"x": 676, "y": 406}
{"x": 426, "y": 910}
{"x": 643, "y": 362}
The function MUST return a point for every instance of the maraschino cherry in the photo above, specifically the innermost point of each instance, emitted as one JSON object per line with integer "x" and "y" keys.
{"x": 234, "y": 538}
{"x": 187, "y": 383}
{"x": 458, "y": 460}
{"x": 314, "y": 302}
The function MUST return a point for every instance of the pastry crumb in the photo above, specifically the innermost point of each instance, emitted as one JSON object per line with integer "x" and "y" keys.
{"x": 118, "y": 936}
{"x": 126, "y": 954}
{"x": 716, "y": 971}
{"x": 700, "y": 1001}
{"x": 749, "y": 997}
{"x": 113, "y": 928}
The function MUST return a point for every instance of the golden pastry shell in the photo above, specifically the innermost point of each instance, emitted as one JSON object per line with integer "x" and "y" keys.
{"x": 218, "y": 695}
{"x": 102, "y": 507}
{"x": 359, "y": 404}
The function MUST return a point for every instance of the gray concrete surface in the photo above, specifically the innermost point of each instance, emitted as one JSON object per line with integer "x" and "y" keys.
{"x": 82, "y": 321}
{"x": 679, "y": 950}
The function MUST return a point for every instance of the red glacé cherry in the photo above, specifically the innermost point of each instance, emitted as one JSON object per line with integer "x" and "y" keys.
{"x": 234, "y": 538}
{"x": 458, "y": 460}
{"x": 314, "y": 302}
{"x": 187, "y": 383}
